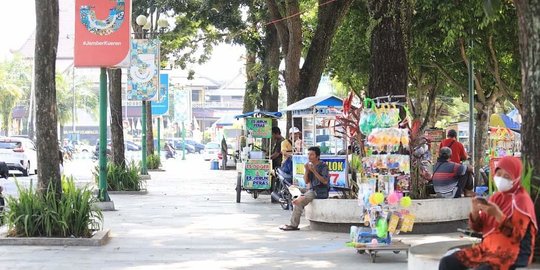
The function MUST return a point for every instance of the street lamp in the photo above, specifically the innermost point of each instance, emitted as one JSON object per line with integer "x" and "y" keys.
{"x": 146, "y": 26}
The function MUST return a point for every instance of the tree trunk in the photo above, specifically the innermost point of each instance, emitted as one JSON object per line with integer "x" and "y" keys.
{"x": 271, "y": 60}
{"x": 117, "y": 128}
{"x": 47, "y": 17}
{"x": 149, "y": 129}
{"x": 388, "y": 73}
{"x": 5, "y": 123}
{"x": 301, "y": 83}
{"x": 528, "y": 12}
{"x": 481, "y": 136}
{"x": 329, "y": 18}
{"x": 251, "y": 92}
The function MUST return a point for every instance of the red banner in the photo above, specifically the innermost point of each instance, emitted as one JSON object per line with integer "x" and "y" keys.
{"x": 102, "y": 33}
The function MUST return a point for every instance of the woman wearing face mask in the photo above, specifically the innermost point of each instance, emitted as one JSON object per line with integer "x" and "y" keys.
{"x": 507, "y": 221}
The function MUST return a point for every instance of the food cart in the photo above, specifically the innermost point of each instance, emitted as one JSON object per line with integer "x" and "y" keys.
{"x": 255, "y": 166}
{"x": 317, "y": 116}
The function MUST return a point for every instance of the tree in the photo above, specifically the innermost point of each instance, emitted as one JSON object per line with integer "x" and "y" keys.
{"x": 47, "y": 20}
{"x": 388, "y": 61}
{"x": 66, "y": 101}
{"x": 9, "y": 95}
{"x": 528, "y": 13}
{"x": 494, "y": 52}
{"x": 15, "y": 79}
{"x": 117, "y": 127}
{"x": 302, "y": 81}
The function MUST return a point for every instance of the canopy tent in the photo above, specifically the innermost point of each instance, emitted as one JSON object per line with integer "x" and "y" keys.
{"x": 514, "y": 115}
{"x": 224, "y": 121}
{"x": 501, "y": 120}
{"x": 317, "y": 101}
{"x": 259, "y": 113}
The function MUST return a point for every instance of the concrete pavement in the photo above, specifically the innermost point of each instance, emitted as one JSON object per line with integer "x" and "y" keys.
{"x": 190, "y": 220}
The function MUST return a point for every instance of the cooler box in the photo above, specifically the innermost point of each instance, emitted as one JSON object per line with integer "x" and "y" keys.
{"x": 214, "y": 164}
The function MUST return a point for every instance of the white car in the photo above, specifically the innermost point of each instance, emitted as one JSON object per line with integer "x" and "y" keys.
{"x": 211, "y": 150}
{"x": 19, "y": 154}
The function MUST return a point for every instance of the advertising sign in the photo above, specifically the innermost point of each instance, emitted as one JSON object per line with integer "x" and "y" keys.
{"x": 259, "y": 127}
{"x": 102, "y": 33}
{"x": 143, "y": 73}
{"x": 182, "y": 106}
{"x": 257, "y": 174}
{"x": 337, "y": 170}
{"x": 161, "y": 106}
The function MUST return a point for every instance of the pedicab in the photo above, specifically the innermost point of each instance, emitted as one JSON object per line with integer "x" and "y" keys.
{"x": 255, "y": 167}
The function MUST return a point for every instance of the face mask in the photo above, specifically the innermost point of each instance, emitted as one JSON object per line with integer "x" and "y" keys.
{"x": 502, "y": 183}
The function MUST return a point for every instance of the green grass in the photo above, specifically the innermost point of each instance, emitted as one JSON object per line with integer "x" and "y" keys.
{"x": 35, "y": 214}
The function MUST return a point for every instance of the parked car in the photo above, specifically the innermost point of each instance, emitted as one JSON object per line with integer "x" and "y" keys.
{"x": 211, "y": 150}
{"x": 199, "y": 147}
{"x": 179, "y": 144}
{"x": 131, "y": 146}
{"x": 19, "y": 154}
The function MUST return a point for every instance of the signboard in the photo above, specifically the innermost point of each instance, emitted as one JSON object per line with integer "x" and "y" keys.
{"x": 143, "y": 73}
{"x": 182, "y": 106}
{"x": 102, "y": 33}
{"x": 435, "y": 135}
{"x": 337, "y": 169}
{"x": 257, "y": 174}
{"x": 161, "y": 106}
{"x": 259, "y": 127}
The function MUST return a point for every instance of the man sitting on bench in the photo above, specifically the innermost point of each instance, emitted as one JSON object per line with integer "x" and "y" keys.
{"x": 450, "y": 179}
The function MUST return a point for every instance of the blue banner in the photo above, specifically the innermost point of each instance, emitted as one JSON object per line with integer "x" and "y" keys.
{"x": 161, "y": 107}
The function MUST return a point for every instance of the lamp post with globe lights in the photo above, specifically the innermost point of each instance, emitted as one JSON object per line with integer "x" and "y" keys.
{"x": 147, "y": 33}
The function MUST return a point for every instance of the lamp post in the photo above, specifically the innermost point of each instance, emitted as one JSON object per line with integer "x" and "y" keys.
{"x": 146, "y": 25}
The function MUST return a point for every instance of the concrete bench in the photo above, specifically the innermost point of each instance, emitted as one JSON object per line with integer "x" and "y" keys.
{"x": 427, "y": 256}
{"x": 432, "y": 215}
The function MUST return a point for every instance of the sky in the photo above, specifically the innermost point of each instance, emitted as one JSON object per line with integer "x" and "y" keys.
{"x": 224, "y": 65}
{"x": 16, "y": 28}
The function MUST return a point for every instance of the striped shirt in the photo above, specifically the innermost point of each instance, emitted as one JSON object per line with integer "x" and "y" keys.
{"x": 446, "y": 176}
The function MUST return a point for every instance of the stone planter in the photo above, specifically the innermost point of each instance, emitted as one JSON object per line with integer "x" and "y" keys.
{"x": 100, "y": 238}
{"x": 432, "y": 215}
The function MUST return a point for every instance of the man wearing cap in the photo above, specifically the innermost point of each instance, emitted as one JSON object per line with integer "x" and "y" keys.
{"x": 451, "y": 179}
{"x": 458, "y": 151}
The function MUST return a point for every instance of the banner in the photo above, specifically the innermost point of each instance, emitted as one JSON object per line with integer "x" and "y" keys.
{"x": 259, "y": 127}
{"x": 257, "y": 174}
{"x": 143, "y": 73}
{"x": 102, "y": 33}
{"x": 337, "y": 170}
{"x": 182, "y": 106}
{"x": 161, "y": 106}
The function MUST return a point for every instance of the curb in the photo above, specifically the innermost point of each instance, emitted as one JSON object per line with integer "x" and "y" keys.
{"x": 140, "y": 192}
{"x": 100, "y": 238}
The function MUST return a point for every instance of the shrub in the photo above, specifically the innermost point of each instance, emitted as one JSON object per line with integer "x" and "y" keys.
{"x": 36, "y": 214}
{"x": 153, "y": 162}
{"x": 122, "y": 178}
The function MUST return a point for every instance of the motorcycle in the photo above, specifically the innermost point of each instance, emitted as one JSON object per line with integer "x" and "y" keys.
{"x": 281, "y": 192}
{"x": 170, "y": 154}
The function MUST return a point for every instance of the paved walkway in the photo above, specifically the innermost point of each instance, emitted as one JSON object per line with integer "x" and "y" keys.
{"x": 190, "y": 220}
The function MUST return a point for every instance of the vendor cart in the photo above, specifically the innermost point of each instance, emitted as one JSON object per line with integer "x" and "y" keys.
{"x": 315, "y": 118}
{"x": 255, "y": 166}
{"x": 372, "y": 249}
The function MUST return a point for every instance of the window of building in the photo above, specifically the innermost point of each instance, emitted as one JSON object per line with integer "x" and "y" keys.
{"x": 196, "y": 95}
{"x": 237, "y": 97}
{"x": 214, "y": 98}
